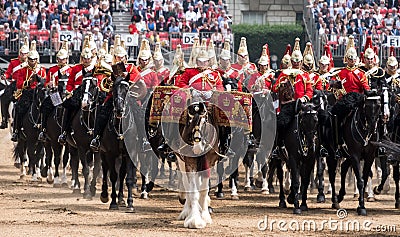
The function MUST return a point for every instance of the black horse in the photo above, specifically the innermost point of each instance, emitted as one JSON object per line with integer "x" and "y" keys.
{"x": 114, "y": 151}
{"x": 29, "y": 104}
{"x": 358, "y": 129}
{"x": 300, "y": 150}
{"x": 79, "y": 140}
{"x": 52, "y": 146}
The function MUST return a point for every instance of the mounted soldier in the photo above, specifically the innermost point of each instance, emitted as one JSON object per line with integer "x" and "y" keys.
{"x": 85, "y": 68}
{"x": 145, "y": 65}
{"x": 245, "y": 68}
{"x": 349, "y": 79}
{"x": 178, "y": 66}
{"x": 285, "y": 61}
{"x": 293, "y": 86}
{"x": 161, "y": 71}
{"x": 56, "y": 81}
{"x": 230, "y": 76}
{"x": 27, "y": 79}
{"x": 309, "y": 67}
{"x": 8, "y": 77}
{"x": 117, "y": 56}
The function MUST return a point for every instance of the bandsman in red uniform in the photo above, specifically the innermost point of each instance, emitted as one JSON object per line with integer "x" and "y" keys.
{"x": 230, "y": 76}
{"x": 293, "y": 86}
{"x": 202, "y": 77}
{"x": 8, "y": 77}
{"x": 161, "y": 71}
{"x": 178, "y": 66}
{"x": 245, "y": 68}
{"x": 120, "y": 56}
{"x": 349, "y": 79}
{"x": 56, "y": 81}
{"x": 326, "y": 68}
{"x": 73, "y": 91}
{"x": 265, "y": 80}
{"x": 309, "y": 67}
{"x": 27, "y": 78}
{"x": 145, "y": 65}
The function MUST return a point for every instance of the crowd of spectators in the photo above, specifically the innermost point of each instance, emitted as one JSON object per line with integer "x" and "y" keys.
{"x": 159, "y": 19}
{"x": 336, "y": 20}
{"x": 43, "y": 20}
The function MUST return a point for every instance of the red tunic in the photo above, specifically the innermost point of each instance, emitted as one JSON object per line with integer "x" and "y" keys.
{"x": 26, "y": 73}
{"x": 12, "y": 68}
{"x": 316, "y": 80}
{"x": 53, "y": 75}
{"x": 149, "y": 77}
{"x": 162, "y": 75}
{"x": 353, "y": 80}
{"x": 302, "y": 85}
{"x": 134, "y": 74}
{"x": 201, "y": 80}
{"x": 232, "y": 74}
{"x": 76, "y": 76}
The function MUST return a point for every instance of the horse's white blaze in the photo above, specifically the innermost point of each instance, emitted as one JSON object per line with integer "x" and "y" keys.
{"x": 85, "y": 100}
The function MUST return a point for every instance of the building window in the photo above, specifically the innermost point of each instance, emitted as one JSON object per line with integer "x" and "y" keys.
{"x": 253, "y": 17}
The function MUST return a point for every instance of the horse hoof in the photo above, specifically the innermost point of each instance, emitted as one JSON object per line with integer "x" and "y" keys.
{"x": 258, "y": 183}
{"x": 321, "y": 198}
{"x": 104, "y": 199}
{"x": 235, "y": 197}
{"x": 121, "y": 203}
{"x": 247, "y": 189}
{"x": 144, "y": 196}
{"x": 50, "y": 181}
{"x": 87, "y": 196}
{"x": 370, "y": 199}
{"x": 219, "y": 195}
{"x": 114, "y": 206}
{"x": 76, "y": 191}
{"x": 43, "y": 172}
{"x": 362, "y": 211}
{"x": 58, "y": 185}
{"x": 335, "y": 206}
{"x": 397, "y": 205}
{"x": 149, "y": 186}
{"x": 130, "y": 209}
{"x": 297, "y": 211}
{"x": 264, "y": 192}
{"x": 282, "y": 204}
{"x": 304, "y": 207}
{"x": 356, "y": 195}
{"x": 271, "y": 189}
{"x": 182, "y": 200}
{"x": 376, "y": 191}
{"x": 93, "y": 192}
{"x": 210, "y": 210}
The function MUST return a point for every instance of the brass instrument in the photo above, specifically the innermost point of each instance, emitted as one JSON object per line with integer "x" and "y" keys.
{"x": 106, "y": 84}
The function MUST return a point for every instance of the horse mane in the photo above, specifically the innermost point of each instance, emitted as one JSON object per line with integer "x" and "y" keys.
{"x": 347, "y": 104}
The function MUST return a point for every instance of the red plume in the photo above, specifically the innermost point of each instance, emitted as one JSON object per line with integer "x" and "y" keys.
{"x": 288, "y": 50}
{"x": 392, "y": 52}
{"x": 328, "y": 53}
{"x": 368, "y": 44}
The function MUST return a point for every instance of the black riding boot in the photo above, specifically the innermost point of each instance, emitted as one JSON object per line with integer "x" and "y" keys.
{"x": 66, "y": 126}
{"x": 16, "y": 126}
{"x": 45, "y": 109}
{"x": 102, "y": 116}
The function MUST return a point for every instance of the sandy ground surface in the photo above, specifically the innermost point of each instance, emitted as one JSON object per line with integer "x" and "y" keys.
{"x": 38, "y": 209}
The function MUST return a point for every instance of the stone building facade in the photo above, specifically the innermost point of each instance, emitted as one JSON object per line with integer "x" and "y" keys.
{"x": 273, "y": 12}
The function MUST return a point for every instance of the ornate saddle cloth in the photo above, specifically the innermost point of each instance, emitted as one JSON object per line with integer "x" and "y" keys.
{"x": 169, "y": 104}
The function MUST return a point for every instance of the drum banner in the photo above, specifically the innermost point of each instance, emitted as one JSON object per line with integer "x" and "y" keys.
{"x": 170, "y": 103}
{"x": 234, "y": 109}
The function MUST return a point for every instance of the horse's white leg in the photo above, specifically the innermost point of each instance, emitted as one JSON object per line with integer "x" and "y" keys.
{"x": 184, "y": 194}
{"x": 287, "y": 179}
{"x": 264, "y": 189}
{"x": 370, "y": 197}
{"x": 50, "y": 175}
{"x": 246, "y": 178}
{"x": 204, "y": 199}
{"x": 234, "y": 193}
{"x": 23, "y": 172}
{"x": 194, "y": 220}
{"x": 64, "y": 180}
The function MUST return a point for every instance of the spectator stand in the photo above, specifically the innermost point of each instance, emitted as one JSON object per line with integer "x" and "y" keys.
{"x": 332, "y": 25}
